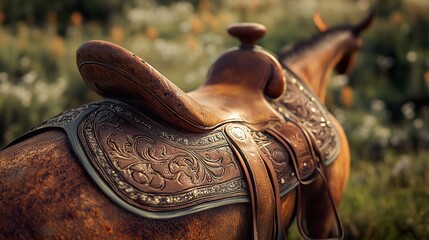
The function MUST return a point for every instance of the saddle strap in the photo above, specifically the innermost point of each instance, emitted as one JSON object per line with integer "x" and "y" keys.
{"x": 300, "y": 212}
{"x": 321, "y": 169}
{"x": 262, "y": 183}
{"x": 308, "y": 163}
{"x": 296, "y": 141}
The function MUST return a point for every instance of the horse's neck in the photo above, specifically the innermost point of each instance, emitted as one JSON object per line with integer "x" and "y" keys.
{"x": 315, "y": 64}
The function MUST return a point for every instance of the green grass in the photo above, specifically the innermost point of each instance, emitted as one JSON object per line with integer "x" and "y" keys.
{"x": 388, "y": 199}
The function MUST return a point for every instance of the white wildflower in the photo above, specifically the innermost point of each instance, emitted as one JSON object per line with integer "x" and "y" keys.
{"x": 402, "y": 165}
{"x": 411, "y": 56}
{"x": 29, "y": 78}
{"x": 408, "y": 110}
{"x": 369, "y": 121}
{"x": 382, "y": 134}
{"x": 378, "y": 106}
{"x": 418, "y": 123}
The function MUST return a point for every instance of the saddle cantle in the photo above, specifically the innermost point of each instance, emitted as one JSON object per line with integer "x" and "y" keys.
{"x": 242, "y": 137}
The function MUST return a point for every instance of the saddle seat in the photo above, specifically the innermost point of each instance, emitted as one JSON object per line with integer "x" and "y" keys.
{"x": 236, "y": 89}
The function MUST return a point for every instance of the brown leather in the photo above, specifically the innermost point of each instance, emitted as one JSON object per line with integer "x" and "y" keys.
{"x": 248, "y": 33}
{"x": 300, "y": 210}
{"x": 241, "y": 95}
{"x": 158, "y": 168}
{"x": 236, "y": 90}
{"x": 309, "y": 164}
{"x": 262, "y": 183}
{"x": 298, "y": 144}
{"x": 113, "y": 71}
{"x": 321, "y": 169}
{"x": 300, "y": 104}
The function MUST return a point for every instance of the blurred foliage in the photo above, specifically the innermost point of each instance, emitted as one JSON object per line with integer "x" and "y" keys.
{"x": 43, "y": 12}
{"x": 383, "y": 105}
{"x": 381, "y": 204}
{"x": 393, "y": 203}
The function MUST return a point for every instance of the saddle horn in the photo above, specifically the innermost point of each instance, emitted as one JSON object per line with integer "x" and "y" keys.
{"x": 249, "y": 34}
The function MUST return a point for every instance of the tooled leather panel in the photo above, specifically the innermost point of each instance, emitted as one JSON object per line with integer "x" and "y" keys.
{"x": 300, "y": 104}
{"x": 280, "y": 159}
{"x": 65, "y": 117}
{"x": 293, "y": 136}
{"x": 158, "y": 168}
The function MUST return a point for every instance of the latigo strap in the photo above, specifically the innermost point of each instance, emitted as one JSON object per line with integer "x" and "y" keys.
{"x": 262, "y": 183}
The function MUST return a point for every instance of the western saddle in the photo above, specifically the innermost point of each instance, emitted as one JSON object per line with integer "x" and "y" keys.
{"x": 162, "y": 153}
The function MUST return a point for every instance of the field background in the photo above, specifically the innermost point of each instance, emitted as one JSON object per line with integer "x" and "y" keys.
{"x": 383, "y": 105}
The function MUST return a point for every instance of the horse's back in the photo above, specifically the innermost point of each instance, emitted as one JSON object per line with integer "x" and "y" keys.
{"x": 45, "y": 193}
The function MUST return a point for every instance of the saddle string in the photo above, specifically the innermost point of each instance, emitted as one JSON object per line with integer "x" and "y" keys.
{"x": 252, "y": 190}
{"x": 300, "y": 218}
{"x": 279, "y": 231}
{"x": 321, "y": 169}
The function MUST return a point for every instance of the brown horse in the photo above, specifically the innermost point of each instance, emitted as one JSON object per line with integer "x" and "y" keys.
{"x": 313, "y": 61}
{"x": 45, "y": 192}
